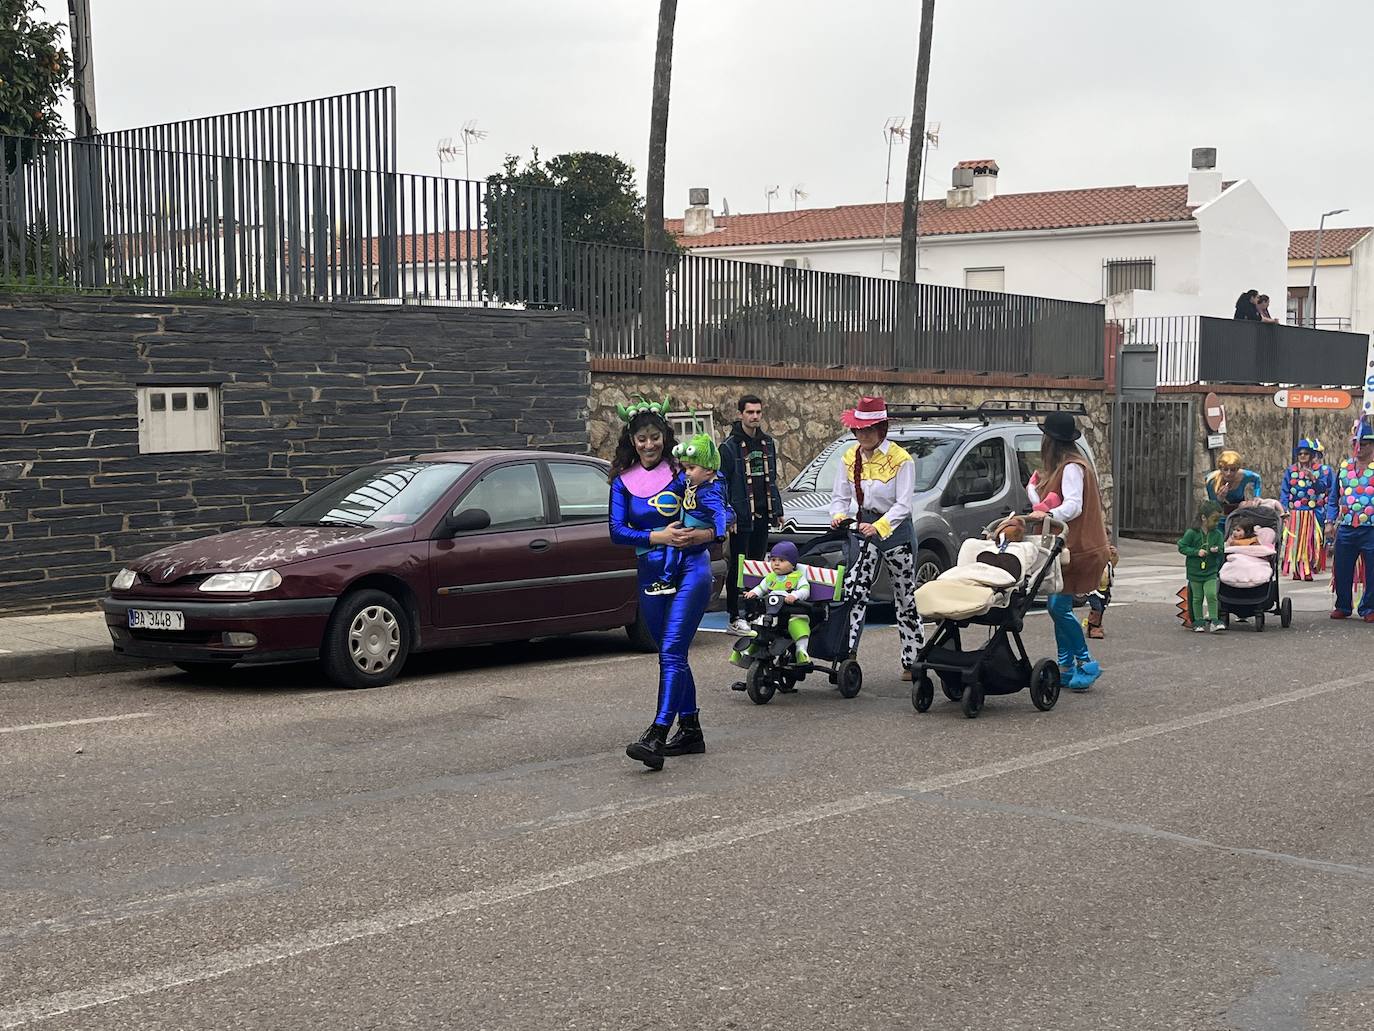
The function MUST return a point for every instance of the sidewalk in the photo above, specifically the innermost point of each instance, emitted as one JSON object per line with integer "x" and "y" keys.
{"x": 60, "y": 644}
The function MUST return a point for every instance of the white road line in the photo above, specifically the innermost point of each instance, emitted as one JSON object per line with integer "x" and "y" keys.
{"x": 77, "y": 723}
{"x": 233, "y": 961}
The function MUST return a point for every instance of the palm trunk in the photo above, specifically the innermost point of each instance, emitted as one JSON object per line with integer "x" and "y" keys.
{"x": 907, "y": 270}
{"x": 655, "y": 241}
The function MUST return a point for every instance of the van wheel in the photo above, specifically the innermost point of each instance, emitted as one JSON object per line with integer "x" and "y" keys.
{"x": 928, "y": 566}
{"x": 367, "y": 641}
{"x": 640, "y": 638}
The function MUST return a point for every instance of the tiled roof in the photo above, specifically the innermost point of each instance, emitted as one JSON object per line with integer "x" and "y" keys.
{"x": 1060, "y": 209}
{"x": 977, "y": 163}
{"x": 1336, "y": 243}
{"x": 455, "y": 245}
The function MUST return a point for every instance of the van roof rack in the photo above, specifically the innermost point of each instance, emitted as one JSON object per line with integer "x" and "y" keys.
{"x": 1023, "y": 409}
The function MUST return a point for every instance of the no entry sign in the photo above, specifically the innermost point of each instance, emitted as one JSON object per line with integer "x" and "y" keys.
{"x": 1301, "y": 397}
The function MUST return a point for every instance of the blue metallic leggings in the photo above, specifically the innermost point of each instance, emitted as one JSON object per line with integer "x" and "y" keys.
{"x": 1068, "y": 632}
{"x": 672, "y": 621}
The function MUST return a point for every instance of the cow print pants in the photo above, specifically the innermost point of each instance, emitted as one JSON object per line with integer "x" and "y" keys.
{"x": 901, "y": 570}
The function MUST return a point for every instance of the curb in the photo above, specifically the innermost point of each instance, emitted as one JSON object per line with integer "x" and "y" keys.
{"x": 77, "y": 662}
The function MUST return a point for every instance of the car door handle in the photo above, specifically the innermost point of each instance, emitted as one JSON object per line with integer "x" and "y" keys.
{"x": 540, "y": 544}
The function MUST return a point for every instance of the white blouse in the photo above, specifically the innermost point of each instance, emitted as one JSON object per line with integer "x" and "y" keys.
{"x": 1071, "y": 505}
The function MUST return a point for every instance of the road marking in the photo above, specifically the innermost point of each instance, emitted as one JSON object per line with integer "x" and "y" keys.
{"x": 233, "y": 961}
{"x": 1141, "y": 830}
{"x": 77, "y": 723}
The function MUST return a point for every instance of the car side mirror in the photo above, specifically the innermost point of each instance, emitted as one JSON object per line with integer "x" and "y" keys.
{"x": 467, "y": 521}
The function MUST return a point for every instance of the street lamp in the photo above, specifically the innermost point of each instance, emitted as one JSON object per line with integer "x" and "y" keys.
{"x": 1316, "y": 255}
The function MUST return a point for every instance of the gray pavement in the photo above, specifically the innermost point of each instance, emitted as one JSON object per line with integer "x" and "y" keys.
{"x": 1186, "y": 846}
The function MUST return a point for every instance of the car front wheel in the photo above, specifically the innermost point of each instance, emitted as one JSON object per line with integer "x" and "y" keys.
{"x": 367, "y": 641}
{"x": 928, "y": 566}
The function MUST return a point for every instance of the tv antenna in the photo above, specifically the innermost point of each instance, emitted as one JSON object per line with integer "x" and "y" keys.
{"x": 447, "y": 152}
{"x": 769, "y": 193}
{"x": 471, "y": 134}
{"x": 894, "y": 129}
{"x": 798, "y": 193}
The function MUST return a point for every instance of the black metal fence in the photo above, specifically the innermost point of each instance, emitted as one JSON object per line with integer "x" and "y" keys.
{"x": 92, "y": 215}
{"x": 716, "y": 310}
{"x": 349, "y": 130}
{"x": 1201, "y": 349}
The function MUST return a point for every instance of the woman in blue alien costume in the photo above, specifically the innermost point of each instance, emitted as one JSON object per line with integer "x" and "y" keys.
{"x": 645, "y": 515}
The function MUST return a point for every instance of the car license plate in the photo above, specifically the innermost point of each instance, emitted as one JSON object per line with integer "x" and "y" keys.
{"x": 156, "y": 619}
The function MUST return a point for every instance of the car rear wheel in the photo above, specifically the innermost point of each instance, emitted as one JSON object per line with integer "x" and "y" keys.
{"x": 640, "y": 638}
{"x": 367, "y": 641}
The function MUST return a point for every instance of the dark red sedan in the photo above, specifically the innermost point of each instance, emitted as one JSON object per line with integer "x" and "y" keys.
{"x": 406, "y": 555}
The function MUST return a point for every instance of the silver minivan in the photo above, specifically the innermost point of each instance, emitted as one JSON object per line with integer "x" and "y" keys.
{"x": 972, "y": 465}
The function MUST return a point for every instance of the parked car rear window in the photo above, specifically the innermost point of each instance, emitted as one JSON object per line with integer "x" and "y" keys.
{"x": 930, "y": 453}
{"x": 394, "y": 494}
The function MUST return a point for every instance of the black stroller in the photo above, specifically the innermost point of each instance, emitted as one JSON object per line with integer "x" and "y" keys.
{"x": 774, "y": 668}
{"x": 1253, "y": 602}
{"x": 1001, "y": 666}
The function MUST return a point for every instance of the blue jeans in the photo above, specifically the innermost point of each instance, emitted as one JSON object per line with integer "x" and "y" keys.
{"x": 1352, "y": 542}
{"x": 1068, "y": 632}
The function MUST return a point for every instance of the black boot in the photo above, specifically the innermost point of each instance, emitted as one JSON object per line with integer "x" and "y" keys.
{"x": 649, "y": 748}
{"x": 689, "y": 740}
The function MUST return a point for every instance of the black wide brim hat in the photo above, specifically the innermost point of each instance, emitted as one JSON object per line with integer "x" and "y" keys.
{"x": 1061, "y": 426}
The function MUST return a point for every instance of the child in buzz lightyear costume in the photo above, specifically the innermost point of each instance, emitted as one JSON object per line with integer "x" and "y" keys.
{"x": 787, "y": 579}
{"x": 703, "y": 504}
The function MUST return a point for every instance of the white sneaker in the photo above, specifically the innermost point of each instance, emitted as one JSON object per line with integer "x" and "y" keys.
{"x": 1199, "y": 628}
{"x": 740, "y": 628}
{"x": 1218, "y": 628}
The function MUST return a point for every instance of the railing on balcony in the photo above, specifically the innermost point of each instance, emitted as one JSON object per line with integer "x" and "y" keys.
{"x": 1200, "y": 349}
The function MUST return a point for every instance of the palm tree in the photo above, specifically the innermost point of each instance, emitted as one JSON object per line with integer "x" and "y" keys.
{"x": 907, "y": 268}
{"x": 655, "y": 237}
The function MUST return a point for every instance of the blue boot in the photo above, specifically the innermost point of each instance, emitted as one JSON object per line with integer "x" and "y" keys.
{"x": 1084, "y": 677}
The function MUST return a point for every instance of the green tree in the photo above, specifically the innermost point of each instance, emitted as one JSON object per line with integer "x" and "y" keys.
{"x": 599, "y": 204}
{"x": 35, "y": 72}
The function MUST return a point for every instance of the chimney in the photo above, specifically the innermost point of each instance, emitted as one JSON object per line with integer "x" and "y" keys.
{"x": 961, "y": 192}
{"x": 699, "y": 219}
{"x": 974, "y": 182}
{"x": 984, "y": 179}
{"x": 1204, "y": 181}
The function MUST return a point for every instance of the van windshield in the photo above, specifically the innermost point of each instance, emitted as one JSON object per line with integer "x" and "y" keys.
{"x": 931, "y": 454}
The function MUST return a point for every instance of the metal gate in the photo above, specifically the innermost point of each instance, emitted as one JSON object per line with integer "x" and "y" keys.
{"x": 1155, "y": 481}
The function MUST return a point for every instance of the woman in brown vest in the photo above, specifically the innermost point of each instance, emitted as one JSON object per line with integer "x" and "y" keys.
{"x": 1066, "y": 488}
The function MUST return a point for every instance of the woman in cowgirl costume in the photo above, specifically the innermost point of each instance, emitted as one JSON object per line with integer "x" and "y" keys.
{"x": 873, "y": 486}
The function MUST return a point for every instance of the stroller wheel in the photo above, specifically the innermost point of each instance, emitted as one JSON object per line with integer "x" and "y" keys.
{"x": 1286, "y": 613}
{"x": 849, "y": 678}
{"x": 952, "y": 684}
{"x": 759, "y": 684}
{"x": 922, "y": 692}
{"x": 1259, "y": 622}
{"x": 1044, "y": 684}
{"x": 973, "y": 699}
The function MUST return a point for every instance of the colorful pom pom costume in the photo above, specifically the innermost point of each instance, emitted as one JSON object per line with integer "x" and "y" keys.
{"x": 1306, "y": 488}
{"x": 1350, "y": 511}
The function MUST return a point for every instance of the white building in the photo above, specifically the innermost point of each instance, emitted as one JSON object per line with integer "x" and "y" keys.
{"x": 1187, "y": 249}
{"x": 1345, "y": 279}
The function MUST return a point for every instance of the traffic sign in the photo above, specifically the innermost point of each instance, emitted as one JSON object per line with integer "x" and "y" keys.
{"x": 1214, "y": 413}
{"x": 1303, "y": 397}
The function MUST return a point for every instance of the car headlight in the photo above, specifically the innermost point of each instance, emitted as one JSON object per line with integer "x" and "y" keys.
{"x": 242, "y": 583}
{"x": 124, "y": 579}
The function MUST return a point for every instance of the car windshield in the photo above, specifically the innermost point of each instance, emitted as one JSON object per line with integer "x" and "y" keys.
{"x": 393, "y": 494}
{"x": 931, "y": 454}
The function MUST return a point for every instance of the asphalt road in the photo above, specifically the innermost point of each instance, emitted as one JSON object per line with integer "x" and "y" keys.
{"x": 1187, "y": 846}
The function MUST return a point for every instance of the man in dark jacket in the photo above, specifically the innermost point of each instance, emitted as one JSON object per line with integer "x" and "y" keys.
{"x": 749, "y": 466}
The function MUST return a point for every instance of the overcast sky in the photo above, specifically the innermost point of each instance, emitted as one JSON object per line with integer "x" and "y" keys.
{"x": 1062, "y": 93}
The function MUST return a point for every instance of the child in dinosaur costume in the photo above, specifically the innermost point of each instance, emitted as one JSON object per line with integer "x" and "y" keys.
{"x": 703, "y": 504}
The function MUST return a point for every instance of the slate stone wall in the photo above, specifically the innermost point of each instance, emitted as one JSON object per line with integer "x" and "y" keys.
{"x": 307, "y": 393}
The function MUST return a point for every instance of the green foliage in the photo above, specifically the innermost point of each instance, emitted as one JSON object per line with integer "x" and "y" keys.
{"x": 35, "y": 72}
{"x": 599, "y": 203}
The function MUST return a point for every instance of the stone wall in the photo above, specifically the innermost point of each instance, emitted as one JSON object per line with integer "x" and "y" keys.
{"x": 803, "y": 412}
{"x": 1264, "y": 433}
{"x": 307, "y": 393}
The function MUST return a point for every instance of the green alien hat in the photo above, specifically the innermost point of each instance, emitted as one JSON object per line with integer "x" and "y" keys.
{"x": 700, "y": 450}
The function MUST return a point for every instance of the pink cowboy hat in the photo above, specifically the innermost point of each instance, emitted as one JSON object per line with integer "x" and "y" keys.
{"x": 868, "y": 412}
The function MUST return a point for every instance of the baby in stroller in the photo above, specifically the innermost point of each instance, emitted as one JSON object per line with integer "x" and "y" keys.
{"x": 1251, "y": 546}
{"x": 785, "y": 585}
